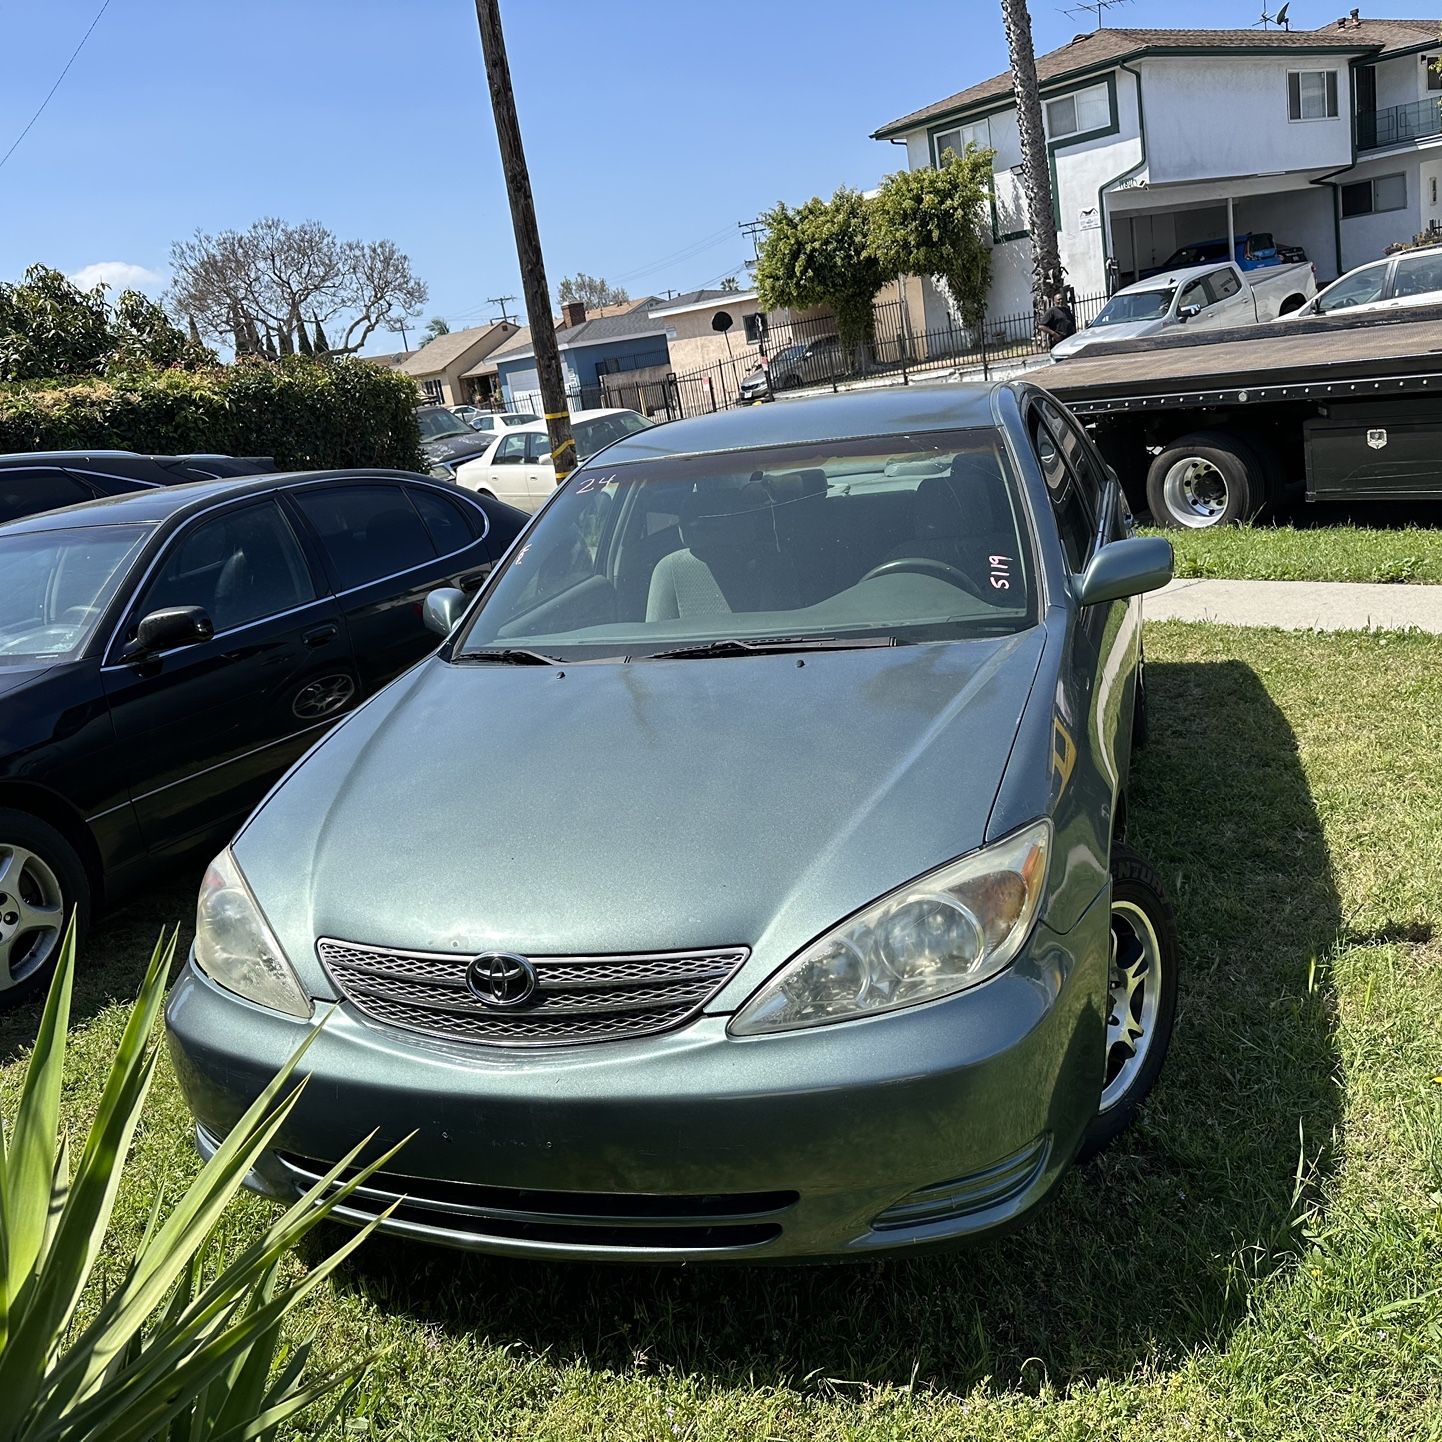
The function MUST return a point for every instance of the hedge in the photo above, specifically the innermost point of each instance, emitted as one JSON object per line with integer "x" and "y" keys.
{"x": 308, "y": 414}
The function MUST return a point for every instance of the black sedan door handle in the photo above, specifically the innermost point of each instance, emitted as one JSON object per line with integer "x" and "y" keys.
{"x": 321, "y": 635}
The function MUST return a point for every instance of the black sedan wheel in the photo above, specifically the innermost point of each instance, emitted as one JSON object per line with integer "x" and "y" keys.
{"x": 41, "y": 882}
{"x": 1142, "y": 995}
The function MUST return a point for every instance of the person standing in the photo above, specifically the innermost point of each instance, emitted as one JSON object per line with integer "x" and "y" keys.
{"x": 1059, "y": 322}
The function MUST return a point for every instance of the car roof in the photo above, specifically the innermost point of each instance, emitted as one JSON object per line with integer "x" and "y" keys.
{"x": 1174, "y": 276}
{"x": 591, "y": 415}
{"x": 154, "y": 506}
{"x": 892, "y": 410}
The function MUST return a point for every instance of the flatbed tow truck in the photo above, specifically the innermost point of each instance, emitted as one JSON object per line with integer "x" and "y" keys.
{"x": 1220, "y": 426}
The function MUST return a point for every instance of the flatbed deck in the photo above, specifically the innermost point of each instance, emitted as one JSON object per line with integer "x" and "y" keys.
{"x": 1380, "y": 354}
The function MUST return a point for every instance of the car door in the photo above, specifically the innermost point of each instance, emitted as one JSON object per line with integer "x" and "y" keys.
{"x": 539, "y": 468}
{"x": 381, "y": 560}
{"x": 1232, "y": 303}
{"x": 1363, "y": 289}
{"x": 507, "y": 476}
{"x": 203, "y": 729}
{"x": 1416, "y": 280}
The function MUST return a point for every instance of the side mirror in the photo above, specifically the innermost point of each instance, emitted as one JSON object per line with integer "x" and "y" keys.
{"x": 446, "y": 606}
{"x": 1189, "y": 312}
{"x": 1125, "y": 568}
{"x": 165, "y": 629}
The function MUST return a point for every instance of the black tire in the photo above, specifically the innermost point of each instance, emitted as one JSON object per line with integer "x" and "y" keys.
{"x": 1138, "y": 901}
{"x": 1226, "y": 482}
{"x": 1292, "y": 302}
{"x": 54, "y": 875}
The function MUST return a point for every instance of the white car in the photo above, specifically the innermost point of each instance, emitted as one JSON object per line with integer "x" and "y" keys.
{"x": 493, "y": 422}
{"x": 1394, "y": 283}
{"x": 1201, "y": 297}
{"x": 516, "y": 467}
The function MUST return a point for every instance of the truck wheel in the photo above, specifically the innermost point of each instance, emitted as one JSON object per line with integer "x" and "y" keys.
{"x": 1208, "y": 479}
{"x": 1142, "y": 998}
{"x": 42, "y": 881}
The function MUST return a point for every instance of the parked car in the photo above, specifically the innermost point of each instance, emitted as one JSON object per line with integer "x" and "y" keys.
{"x": 645, "y": 960}
{"x": 806, "y": 363}
{"x": 1207, "y": 297}
{"x": 1412, "y": 277}
{"x": 165, "y": 655}
{"x": 447, "y": 440}
{"x": 1254, "y": 251}
{"x": 32, "y": 481}
{"x": 517, "y": 467}
{"x": 493, "y": 421}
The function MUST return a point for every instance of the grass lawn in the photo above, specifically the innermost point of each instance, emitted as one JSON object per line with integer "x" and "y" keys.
{"x": 1260, "y": 1258}
{"x": 1322, "y": 553}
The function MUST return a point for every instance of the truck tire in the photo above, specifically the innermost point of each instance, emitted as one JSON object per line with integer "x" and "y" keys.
{"x": 1292, "y": 302}
{"x": 1207, "y": 479}
{"x": 42, "y": 881}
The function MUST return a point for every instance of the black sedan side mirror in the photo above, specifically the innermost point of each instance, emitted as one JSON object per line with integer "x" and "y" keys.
{"x": 172, "y": 626}
{"x": 1126, "y": 568}
{"x": 443, "y": 608}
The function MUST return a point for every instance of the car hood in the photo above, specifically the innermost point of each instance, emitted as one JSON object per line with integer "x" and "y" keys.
{"x": 657, "y": 805}
{"x": 452, "y": 448}
{"x": 1100, "y": 334}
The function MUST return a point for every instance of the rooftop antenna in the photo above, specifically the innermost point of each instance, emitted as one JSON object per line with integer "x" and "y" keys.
{"x": 1098, "y": 8}
{"x": 1279, "y": 19}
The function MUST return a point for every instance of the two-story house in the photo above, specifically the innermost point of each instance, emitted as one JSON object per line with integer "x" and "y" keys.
{"x": 1329, "y": 139}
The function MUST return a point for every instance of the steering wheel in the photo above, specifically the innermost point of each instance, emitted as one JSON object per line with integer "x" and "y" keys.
{"x": 77, "y": 615}
{"x": 926, "y": 566}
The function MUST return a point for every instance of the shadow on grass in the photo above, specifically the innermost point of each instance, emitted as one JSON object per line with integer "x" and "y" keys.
{"x": 1144, "y": 1255}
{"x": 112, "y": 960}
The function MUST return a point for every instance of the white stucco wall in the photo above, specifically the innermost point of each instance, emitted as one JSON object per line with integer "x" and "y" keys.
{"x": 1366, "y": 237}
{"x": 1429, "y": 209}
{"x": 1228, "y": 116}
{"x": 1401, "y": 81}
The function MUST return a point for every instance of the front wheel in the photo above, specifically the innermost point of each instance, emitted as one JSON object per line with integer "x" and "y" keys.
{"x": 1209, "y": 479}
{"x": 42, "y": 881}
{"x": 1141, "y": 999}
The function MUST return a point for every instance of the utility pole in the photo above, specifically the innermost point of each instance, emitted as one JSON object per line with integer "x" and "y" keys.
{"x": 503, "y": 301}
{"x": 528, "y": 240}
{"x": 1035, "y": 173}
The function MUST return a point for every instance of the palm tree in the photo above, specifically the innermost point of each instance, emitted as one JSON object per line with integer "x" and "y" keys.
{"x": 436, "y": 327}
{"x": 1035, "y": 173}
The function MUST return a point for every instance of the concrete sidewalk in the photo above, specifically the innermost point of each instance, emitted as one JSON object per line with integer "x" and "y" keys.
{"x": 1299, "y": 605}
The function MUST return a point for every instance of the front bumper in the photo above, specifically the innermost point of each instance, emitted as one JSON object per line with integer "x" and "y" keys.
{"x": 921, "y": 1128}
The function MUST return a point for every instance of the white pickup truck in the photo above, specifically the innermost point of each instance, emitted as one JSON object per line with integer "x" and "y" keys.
{"x": 1207, "y": 297}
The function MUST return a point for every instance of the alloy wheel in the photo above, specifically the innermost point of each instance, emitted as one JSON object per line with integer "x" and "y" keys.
{"x": 1135, "y": 994}
{"x": 1195, "y": 492}
{"x": 32, "y": 913}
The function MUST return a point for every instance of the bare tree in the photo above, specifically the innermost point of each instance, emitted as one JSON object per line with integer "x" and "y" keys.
{"x": 239, "y": 286}
{"x": 1035, "y": 173}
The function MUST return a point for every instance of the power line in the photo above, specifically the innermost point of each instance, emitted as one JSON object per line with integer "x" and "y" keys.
{"x": 502, "y": 301}
{"x": 50, "y": 94}
{"x": 686, "y": 252}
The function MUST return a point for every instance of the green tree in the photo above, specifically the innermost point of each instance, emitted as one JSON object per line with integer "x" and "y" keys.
{"x": 820, "y": 255}
{"x": 50, "y": 328}
{"x": 929, "y": 222}
{"x": 593, "y": 291}
{"x": 436, "y": 327}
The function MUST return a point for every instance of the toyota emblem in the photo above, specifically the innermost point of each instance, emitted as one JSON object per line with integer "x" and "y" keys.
{"x": 501, "y": 979}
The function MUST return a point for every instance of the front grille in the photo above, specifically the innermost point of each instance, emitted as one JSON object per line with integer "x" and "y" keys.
{"x": 577, "y": 998}
{"x": 638, "y": 1221}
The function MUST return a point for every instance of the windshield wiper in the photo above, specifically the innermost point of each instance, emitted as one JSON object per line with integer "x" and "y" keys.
{"x": 734, "y": 646}
{"x": 508, "y": 656}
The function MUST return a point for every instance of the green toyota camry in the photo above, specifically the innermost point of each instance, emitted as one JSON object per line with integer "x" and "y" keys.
{"x": 743, "y": 876}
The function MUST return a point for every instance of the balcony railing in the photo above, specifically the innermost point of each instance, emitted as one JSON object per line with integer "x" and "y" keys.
{"x": 1398, "y": 124}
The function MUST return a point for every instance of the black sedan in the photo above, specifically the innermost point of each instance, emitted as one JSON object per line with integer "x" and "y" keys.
{"x": 34, "y": 481}
{"x": 165, "y": 655}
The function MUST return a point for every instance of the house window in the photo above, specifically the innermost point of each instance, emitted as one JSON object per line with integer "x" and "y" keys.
{"x": 1079, "y": 113}
{"x": 432, "y": 390}
{"x": 1434, "y": 75}
{"x": 1312, "y": 94}
{"x": 1368, "y": 197}
{"x": 978, "y": 133}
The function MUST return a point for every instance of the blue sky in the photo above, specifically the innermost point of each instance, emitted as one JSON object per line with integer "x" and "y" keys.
{"x": 651, "y": 126}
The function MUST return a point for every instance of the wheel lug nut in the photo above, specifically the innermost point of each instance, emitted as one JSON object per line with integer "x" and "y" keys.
{"x": 10, "y": 918}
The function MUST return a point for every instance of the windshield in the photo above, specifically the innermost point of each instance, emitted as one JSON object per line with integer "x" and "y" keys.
{"x": 437, "y": 421}
{"x": 1136, "y": 305}
{"x": 906, "y": 538}
{"x": 55, "y": 584}
{"x": 592, "y": 435}
{"x": 517, "y": 418}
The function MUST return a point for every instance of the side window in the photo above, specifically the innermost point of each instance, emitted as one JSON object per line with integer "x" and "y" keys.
{"x": 1359, "y": 289}
{"x": 450, "y": 526}
{"x": 538, "y": 447}
{"x": 367, "y": 531}
{"x": 1223, "y": 284}
{"x": 24, "y": 495}
{"x": 1417, "y": 275}
{"x": 237, "y": 567}
{"x": 1073, "y": 519}
{"x": 1195, "y": 294}
{"x": 510, "y": 452}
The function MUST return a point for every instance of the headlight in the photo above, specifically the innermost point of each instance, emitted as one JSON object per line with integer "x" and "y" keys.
{"x": 442, "y": 472}
{"x": 235, "y": 947}
{"x": 943, "y": 932}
